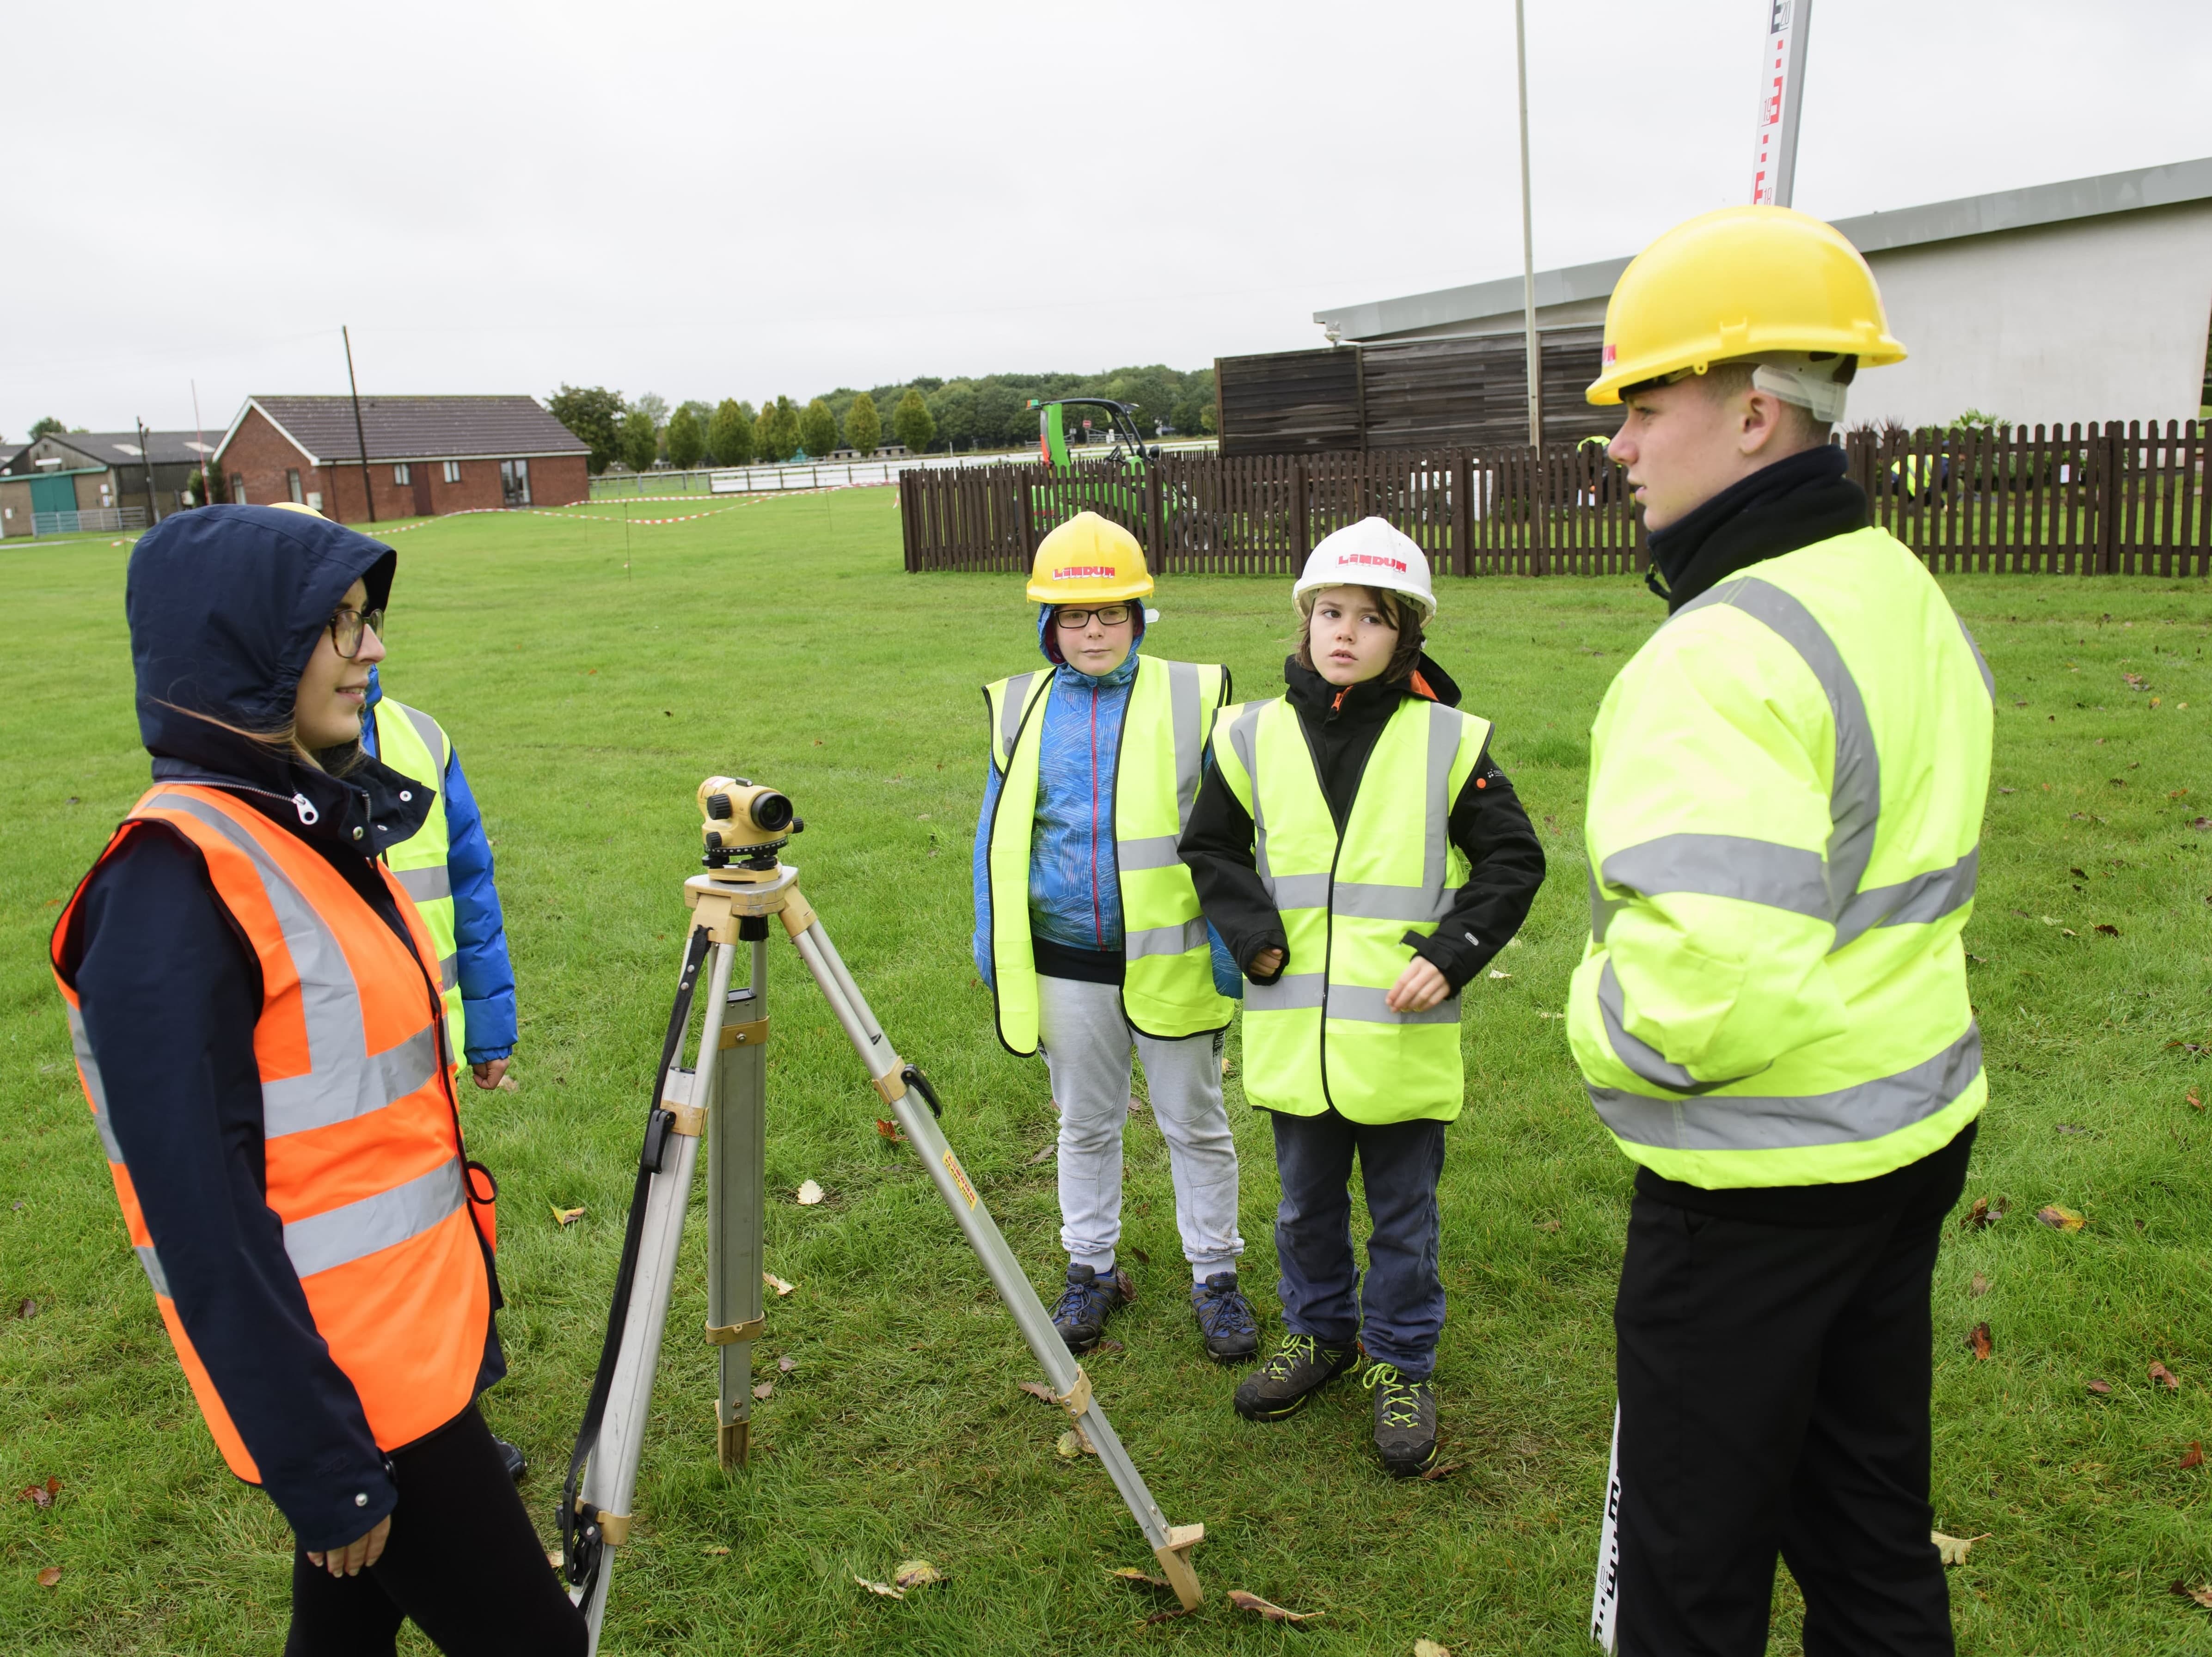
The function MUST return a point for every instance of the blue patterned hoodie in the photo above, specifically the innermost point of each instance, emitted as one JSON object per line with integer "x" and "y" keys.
{"x": 1075, "y": 894}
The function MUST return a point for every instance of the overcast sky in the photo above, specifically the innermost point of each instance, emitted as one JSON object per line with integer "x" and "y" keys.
{"x": 732, "y": 200}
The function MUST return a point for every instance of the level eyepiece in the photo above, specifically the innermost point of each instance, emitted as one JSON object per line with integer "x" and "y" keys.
{"x": 746, "y": 823}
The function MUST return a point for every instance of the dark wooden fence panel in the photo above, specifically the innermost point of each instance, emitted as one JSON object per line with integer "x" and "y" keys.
{"x": 2124, "y": 498}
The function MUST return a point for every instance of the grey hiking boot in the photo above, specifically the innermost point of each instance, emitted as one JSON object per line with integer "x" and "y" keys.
{"x": 1088, "y": 1301}
{"x": 1405, "y": 1420}
{"x": 1300, "y": 1367}
{"x": 1224, "y": 1318}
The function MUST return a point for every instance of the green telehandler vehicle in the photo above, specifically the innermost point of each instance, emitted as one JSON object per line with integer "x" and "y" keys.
{"x": 1119, "y": 494}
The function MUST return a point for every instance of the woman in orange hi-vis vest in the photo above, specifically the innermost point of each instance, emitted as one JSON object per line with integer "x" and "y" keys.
{"x": 256, "y": 1012}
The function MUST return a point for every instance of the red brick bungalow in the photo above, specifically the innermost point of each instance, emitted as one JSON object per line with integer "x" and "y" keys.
{"x": 427, "y": 455}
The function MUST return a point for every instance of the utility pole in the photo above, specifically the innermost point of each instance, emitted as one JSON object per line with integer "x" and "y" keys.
{"x": 199, "y": 440}
{"x": 360, "y": 433}
{"x": 1528, "y": 237}
{"x": 1781, "y": 94}
{"x": 146, "y": 454}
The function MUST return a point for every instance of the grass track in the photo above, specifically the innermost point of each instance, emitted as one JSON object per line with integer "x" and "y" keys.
{"x": 780, "y": 641}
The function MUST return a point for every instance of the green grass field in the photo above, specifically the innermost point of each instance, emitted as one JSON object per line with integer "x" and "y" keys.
{"x": 590, "y": 680}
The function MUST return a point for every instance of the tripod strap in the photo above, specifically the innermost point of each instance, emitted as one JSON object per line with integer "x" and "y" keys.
{"x": 580, "y": 1543}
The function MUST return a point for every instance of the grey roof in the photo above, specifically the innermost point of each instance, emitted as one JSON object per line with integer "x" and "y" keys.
{"x": 122, "y": 448}
{"x": 1872, "y": 232}
{"x": 415, "y": 428}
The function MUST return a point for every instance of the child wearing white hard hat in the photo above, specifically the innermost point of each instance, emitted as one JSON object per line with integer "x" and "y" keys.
{"x": 1363, "y": 859}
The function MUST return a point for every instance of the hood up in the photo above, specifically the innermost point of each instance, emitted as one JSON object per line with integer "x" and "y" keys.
{"x": 1048, "y": 647}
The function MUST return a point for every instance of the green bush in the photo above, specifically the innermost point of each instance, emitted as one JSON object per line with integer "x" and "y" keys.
{"x": 687, "y": 441}
{"x": 864, "y": 427}
{"x": 729, "y": 433}
{"x": 818, "y": 430}
{"x": 912, "y": 422}
{"x": 640, "y": 441}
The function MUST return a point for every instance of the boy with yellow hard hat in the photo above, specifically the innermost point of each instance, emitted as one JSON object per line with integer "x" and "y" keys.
{"x": 1087, "y": 927}
{"x": 1785, "y": 800}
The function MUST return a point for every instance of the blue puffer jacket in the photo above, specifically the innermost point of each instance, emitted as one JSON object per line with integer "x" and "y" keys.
{"x": 1075, "y": 894}
{"x": 479, "y": 924}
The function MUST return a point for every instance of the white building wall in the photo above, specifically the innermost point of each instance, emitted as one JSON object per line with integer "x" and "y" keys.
{"x": 2100, "y": 319}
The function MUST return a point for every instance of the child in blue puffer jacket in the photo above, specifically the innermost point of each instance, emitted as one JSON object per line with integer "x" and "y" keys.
{"x": 1087, "y": 925}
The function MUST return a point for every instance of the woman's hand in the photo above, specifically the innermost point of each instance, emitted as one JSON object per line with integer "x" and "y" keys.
{"x": 357, "y": 1555}
{"x": 1419, "y": 987}
{"x": 1266, "y": 963}
{"x": 488, "y": 1075}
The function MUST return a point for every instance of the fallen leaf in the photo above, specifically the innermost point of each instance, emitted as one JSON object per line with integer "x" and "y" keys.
{"x": 2106, "y": 928}
{"x": 787, "y": 1363}
{"x": 1953, "y": 1549}
{"x": 1039, "y": 1390}
{"x": 2195, "y": 1103}
{"x": 28, "y": 1308}
{"x": 1442, "y": 1470}
{"x": 1044, "y": 1152}
{"x": 1143, "y": 1258}
{"x": 1430, "y": 1648}
{"x": 2079, "y": 874}
{"x": 2067, "y": 932}
{"x": 508, "y": 1084}
{"x": 884, "y": 1589}
{"x": 40, "y": 1496}
{"x": 2059, "y": 1217}
{"x": 1979, "y": 1344}
{"x": 2008, "y": 791}
{"x": 809, "y": 1194}
{"x": 48, "y": 1577}
{"x": 1981, "y": 1214}
{"x": 2201, "y": 1596}
{"x": 1110, "y": 1346}
{"x": 1269, "y": 1610}
{"x": 1131, "y": 1573}
{"x": 554, "y": 1558}
{"x": 761, "y": 1391}
{"x": 1979, "y": 1286}
{"x": 1074, "y": 1443}
{"x": 2164, "y": 1376}
{"x": 890, "y": 1131}
{"x": 2068, "y": 1127}
{"x": 1171, "y": 1612}
{"x": 565, "y": 1217}
{"x": 1498, "y": 974}
{"x": 917, "y": 1574}
{"x": 1547, "y": 1225}
{"x": 2048, "y": 921}
{"x": 777, "y": 1283}
{"x": 2196, "y": 1456}
{"x": 2101, "y": 1388}
{"x": 714, "y": 1553}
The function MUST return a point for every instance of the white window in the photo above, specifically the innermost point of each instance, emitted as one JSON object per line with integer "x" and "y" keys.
{"x": 292, "y": 485}
{"x": 452, "y": 472}
{"x": 238, "y": 487}
{"x": 402, "y": 474}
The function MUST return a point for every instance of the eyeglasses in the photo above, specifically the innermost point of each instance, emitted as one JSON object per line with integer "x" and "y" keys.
{"x": 347, "y": 626}
{"x": 1108, "y": 615}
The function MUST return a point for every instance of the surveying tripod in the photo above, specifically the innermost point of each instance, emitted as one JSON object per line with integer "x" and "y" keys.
{"x": 725, "y": 1088}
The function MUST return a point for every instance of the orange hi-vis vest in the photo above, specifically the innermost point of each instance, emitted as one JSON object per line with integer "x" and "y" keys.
{"x": 363, "y": 1146}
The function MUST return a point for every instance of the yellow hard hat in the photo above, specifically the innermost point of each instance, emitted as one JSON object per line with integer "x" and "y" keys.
{"x": 1736, "y": 284}
{"x": 1089, "y": 558}
{"x": 295, "y": 505}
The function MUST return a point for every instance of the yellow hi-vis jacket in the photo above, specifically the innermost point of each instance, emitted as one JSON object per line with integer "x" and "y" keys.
{"x": 1322, "y": 1036}
{"x": 415, "y": 745}
{"x": 1167, "y": 985}
{"x": 1785, "y": 807}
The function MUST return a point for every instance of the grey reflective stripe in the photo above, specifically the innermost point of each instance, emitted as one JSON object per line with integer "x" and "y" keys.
{"x": 1989, "y": 679}
{"x": 1298, "y": 891}
{"x": 152, "y": 1263}
{"x": 1243, "y": 741}
{"x": 1165, "y": 940}
{"x": 425, "y": 885}
{"x": 1725, "y": 865}
{"x": 432, "y": 739}
{"x": 343, "y": 1080}
{"x": 341, "y": 1235}
{"x": 1358, "y": 1003}
{"x": 1288, "y": 993}
{"x": 1603, "y": 908}
{"x": 1912, "y": 902}
{"x": 1736, "y": 1121}
{"x": 339, "y": 1094}
{"x": 1009, "y": 715}
{"x": 1640, "y": 1056}
{"x": 1357, "y": 900}
{"x": 449, "y": 972}
{"x": 96, "y": 1088}
{"x": 1147, "y": 851}
{"x": 1183, "y": 715}
{"x": 1855, "y": 794}
{"x": 1443, "y": 748}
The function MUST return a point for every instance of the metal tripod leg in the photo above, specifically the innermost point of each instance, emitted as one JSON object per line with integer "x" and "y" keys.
{"x": 1170, "y": 1543}
{"x": 736, "y": 1151}
{"x": 611, "y": 1481}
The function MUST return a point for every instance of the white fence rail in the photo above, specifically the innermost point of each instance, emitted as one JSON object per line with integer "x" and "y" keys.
{"x": 108, "y": 519}
{"x": 827, "y": 474}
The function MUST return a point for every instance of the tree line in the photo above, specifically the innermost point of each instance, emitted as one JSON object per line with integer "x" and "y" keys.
{"x": 924, "y": 413}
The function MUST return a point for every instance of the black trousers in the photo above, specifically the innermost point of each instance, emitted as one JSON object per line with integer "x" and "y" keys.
{"x": 1774, "y": 1397}
{"x": 462, "y": 1562}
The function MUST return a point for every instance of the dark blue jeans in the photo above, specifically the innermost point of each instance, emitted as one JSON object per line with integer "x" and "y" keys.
{"x": 1399, "y": 1312}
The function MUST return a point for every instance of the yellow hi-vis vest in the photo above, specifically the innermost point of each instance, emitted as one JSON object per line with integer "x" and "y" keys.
{"x": 1321, "y": 1034}
{"x": 1785, "y": 806}
{"x": 415, "y": 745}
{"x": 1167, "y": 984}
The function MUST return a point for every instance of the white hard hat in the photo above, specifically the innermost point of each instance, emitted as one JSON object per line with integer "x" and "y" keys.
{"x": 1369, "y": 553}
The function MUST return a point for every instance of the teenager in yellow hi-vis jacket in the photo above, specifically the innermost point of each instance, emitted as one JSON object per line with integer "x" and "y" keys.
{"x": 1087, "y": 930}
{"x": 1363, "y": 859}
{"x": 1785, "y": 804}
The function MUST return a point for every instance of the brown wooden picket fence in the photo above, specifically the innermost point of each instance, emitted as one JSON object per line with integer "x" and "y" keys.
{"x": 2124, "y": 499}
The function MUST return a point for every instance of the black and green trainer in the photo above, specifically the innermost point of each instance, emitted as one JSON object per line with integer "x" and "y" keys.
{"x": 1405, "y": 1420}
{"x": 1300, "y": 1367}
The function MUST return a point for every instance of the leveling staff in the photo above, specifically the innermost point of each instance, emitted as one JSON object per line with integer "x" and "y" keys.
{"x": 1785, "y": 804}
{"x": 255, "y": 1008}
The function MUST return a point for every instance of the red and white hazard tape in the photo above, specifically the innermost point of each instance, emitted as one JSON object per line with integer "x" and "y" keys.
{"x": 572, "y": 516}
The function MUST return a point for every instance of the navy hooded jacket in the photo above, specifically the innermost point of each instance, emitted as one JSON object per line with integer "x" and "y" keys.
{"x": 226, "y": 604}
